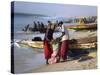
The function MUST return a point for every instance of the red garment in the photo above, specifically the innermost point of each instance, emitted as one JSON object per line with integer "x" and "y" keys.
{"x": 47, "y": 50}
{"x": 64, "y": 49}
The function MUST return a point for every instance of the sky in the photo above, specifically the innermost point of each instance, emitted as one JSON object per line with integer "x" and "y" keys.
{"x": 54, "y": 10}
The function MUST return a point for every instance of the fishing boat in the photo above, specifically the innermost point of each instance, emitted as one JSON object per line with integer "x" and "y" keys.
{"x": 83, "y": 26}
{"x": 33, "y": 44}
{"x": 39, "y": 44}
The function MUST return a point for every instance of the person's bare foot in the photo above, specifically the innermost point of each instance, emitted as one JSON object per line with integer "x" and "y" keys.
{"x": 62, "y": 60}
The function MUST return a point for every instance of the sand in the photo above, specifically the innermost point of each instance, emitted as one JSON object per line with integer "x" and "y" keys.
{"x": 68, "y": 65}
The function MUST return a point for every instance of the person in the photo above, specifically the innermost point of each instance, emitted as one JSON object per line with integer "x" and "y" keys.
{"x": 47, "y": 46}
{"x": 54, "y": 57}
{"x": 39, "y": 26}
{"x": 42, "y": 25}
{"x": 49, "y": 23}
{"x": 64, "y": 44}
{"x": 35, "y": 28}
{"x": 27, "y": 27}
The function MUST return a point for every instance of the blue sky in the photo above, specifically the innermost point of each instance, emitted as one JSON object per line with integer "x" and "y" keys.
{"x": 55, "y": 10}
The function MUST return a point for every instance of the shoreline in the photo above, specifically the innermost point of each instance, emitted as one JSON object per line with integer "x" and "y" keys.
{"x": 68, "y": 65}
{"x": 65, "y": 66}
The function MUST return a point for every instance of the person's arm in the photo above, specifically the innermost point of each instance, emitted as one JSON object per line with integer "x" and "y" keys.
{"x": 67, "y": 34}
{"x": 47, "y": 35}
{"x": 63, "y": 31}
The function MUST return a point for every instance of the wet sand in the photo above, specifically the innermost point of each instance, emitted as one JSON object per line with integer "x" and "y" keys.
{"x": 67, "y": 66}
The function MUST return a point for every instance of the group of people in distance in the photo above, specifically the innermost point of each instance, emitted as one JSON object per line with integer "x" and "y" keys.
{"x": 56, "y": 48}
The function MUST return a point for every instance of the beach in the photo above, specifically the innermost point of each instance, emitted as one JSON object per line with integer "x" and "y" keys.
{"x": 31, "y": 60}
{"x": 28, "y": 61}
{"x": 67, "y": 66}
{"x": 30, "y": 25}
{"x": 29, "y": 55}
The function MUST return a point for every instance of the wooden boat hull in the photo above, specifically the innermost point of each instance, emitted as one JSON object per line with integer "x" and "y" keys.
{"x": 83, "y": 27}
{"x": 39, "y": 44}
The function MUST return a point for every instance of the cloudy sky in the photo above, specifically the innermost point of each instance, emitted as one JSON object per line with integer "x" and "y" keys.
{"x": 55, "y": 10}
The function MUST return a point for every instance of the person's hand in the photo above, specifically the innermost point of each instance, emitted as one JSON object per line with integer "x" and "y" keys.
{"x": 54, "y": 38}
{"x": 59, "y": 38}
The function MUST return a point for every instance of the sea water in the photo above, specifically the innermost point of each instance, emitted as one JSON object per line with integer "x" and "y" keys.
{"x": 26, "y": 58}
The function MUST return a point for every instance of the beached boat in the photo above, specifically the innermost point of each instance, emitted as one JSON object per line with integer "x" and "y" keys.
{"x": 83, "y": 26}
{"x": 86, "y": 42}
{"x": 34, "y": 44}
{"x": 39, "y": 44}
{"x": 83, "y": 46}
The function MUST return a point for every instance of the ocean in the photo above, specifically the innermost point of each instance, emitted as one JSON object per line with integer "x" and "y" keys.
{"x": 26, "y": 58}
{"x": 21, "y": 20}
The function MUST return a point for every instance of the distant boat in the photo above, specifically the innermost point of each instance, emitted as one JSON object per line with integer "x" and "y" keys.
{"x": 82, "y": 26}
